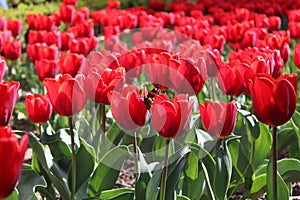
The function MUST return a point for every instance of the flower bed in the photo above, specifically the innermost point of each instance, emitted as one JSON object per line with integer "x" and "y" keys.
{"x": 201, "y": 96}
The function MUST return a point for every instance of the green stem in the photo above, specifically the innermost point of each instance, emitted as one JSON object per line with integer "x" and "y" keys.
{"x": 40, "y": 131}
{"x": 274, "y": 162}
{"x": 164, "y": 173}
{"x": 212, "y": 86}
{"x": 135, "y": 151}
{"x": 73, "y": 191}
{"x": 103, "y": 127}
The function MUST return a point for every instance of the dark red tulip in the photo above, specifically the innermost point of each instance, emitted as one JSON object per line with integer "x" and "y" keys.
{"x": 128, "y": 108}
{"x": 66, "y": 37}
{"x": 46, "y": 68}
{"x": 242, "y": 14}
{"x": 98, "y": 85}
{"x": 12, "y": 49}
{"x": 70, "y": 63}
{"x": 38, "y": 107}
{"x": 36, "y": 36}
{"x": 15, "y": 26}
{"x": 8, "y": 99}
{"x": 66, "y": 94}
{"x": 171, "y": 118}
{"x": 67, "y": 13}
{"x": 12, "y": 155}
{"x": 3, "y": 67}
{"x": 297, "y": 55}
{"x": 229, "y": 80}
{"x": 274, "y": 101}
{"x": 157, "y": 5}
{"x": 218, "y": 118}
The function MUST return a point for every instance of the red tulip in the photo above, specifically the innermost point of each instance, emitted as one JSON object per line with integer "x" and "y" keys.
{"x": 66, "y": 94}
{"x": 274, "y": 23}
{"x": 297, "y": 55}
{"x": 52, "y": 37}
{"x": 35, "y": 36}
{"x": 3, "y": 67}
{"x": 128, "y": 108}
{"x": 66, "y": 37}
{"x": 8, "y": 99}
{"x": 15, "y": 26}
{"x": 98, "y": 85}
{"x": 218, "y": 118}
{"x": 38, "y": 107}
{"x": 70, "y": 63}
{"x": 39, "y": 51}
{"x": 70, "y": 2}
{"x": 274, "y": 101}
{"x": 83, "y": 29}
{"x": 67, "y": 13}
{"x": 12, "y": 155}
{"x": 113, "y": 4}
{"x": 3, "y": 23}
{"x": 170, "y": 118}
{"x": 157, "y": 5}
{"x": 46, "y": 68}
{"x": 83, "y": 45}
{"x": 12, "y": 49}
{"x": 294, "y": 29}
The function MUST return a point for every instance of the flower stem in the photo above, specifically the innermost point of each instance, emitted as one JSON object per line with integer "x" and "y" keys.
{"x": 135, "y": 151}
{"x": 164, "y": 173}
{"x": 274, "y": 162}
{"x": 103, "y": 127}
{"x": 73, "y": 191}
{"x": 40, "y": 131}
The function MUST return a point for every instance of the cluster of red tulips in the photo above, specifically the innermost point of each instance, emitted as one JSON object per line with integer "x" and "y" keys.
{"x": 74, "y": 70}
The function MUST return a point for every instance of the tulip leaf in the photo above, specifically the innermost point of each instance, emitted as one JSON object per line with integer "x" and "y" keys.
{"x": 85, "y": 161}
{"x": 282, "y": 189}
{"x": 118, "y": 194}
{"x": 180, "y": 197}
{"x": 296, "y": 125}
{"x": 223, "y": 172}
{"x": 107, "y": 171}
{"x": 252, "y": 123}
{"x": 14, "y": 195}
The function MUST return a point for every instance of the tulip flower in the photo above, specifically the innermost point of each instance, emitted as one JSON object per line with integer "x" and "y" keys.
{"x": 297, "y": 55}
{"x": 66, "y": 37}
{"x": 128, "y": 108}
{"x": 39, "y": 51}
{"x": 38, "y": 107}
{"x": 70, "y": 2}
{"x": 46, "y": 68}
{"x": 157, "y": 5}
{"x": 113, "y": 4}
{"x": 170, "y": 118}
{"x": 12, "y": 155}
{"x": 3, "y": 23}
{"x": 12, "y": 49}
{"x": 99, "y": 84}
{"x": 70, "y": 63}
{"x": 52, "y": 37}
{"x": 218, "y": 118}
{"x": 67, "y": 13}
{"x": 3, "y": 67}
{"x": 8, "y": 99}
{"x": 35, "y": 36}
{"x": 274, "y": 101}
{"x": 15, "y": 26}
{"x": 274, "y": 23}
{"x": 66, "y": 94}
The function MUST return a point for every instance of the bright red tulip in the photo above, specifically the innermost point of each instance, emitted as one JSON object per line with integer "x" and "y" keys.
{"x": 128, "y": 108}
{"x": 66, "y": 94}
{"x": 66, "y": 37}
{"x": 35, "y": 36}
{"x": 15, "y": 26}
{"x": 171, "y": 118}
{"x": 8, "y": 99}
{"x": 52, "y": 37}
{"x": 113, "y": 4}
{"x": 12, "y": 155}
{"x": 3, "y": 67}
{"x": 70, "y": 2}
{"x": 294, "y": 29}
{"x": 70, "y": 63}
{"x": 67, "y": 13}
{"x": 38, "y": 107}
{"x": 99, "y": 84}
{"x": 274, "y": 23}
{"x": 12, "y": 49}
{"x": 297, "y": 55}
{"x": 46, "y": 68}
{"x": 274, "y": 101}
{"x": 218, "y": 118}
{"x": 83, "y": 45}
{"x": 39, "y": 51}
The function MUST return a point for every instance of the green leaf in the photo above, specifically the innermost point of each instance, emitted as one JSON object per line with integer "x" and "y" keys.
{"x": 259, "y": 184}
{"x": 223, "y": 172}
{"x": 180, "y": 197}
{"x": 85, "y": 161}
{"x": 107, "y": 171}
{"x": 282, "y": 189}
{"x": 192, "y": 170}
{"x": 13, "y": 196}
{"x": 252, "y": 123}
{"x": 118, "y": 194}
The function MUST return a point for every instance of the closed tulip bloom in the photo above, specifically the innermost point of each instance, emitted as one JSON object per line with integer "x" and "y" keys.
{"x": 3, "y": 67}
{"x": 12, "y": 49}
{"x": 38, "y": 107}
{"x": 113, "y": 4}
{"x": 274, "y": 101}
{"x": 128, "y": 108}
{"x": 66, "y": 94}
{"x": 15, "y": 26}
{"x": 297, "y": 55}
{"x": 46, "y": 68}
{"x": 98, "y": 85}
{"x": 218, "y": 118}
{"x": 12, "y": 155}
{"x": 67, "y": 13}
{"x": 35, "y": 36}
{"x": 171, "y": 118}
{"x": 52, "y": 37}
{"x": 70, "y": 63}
{"x": 8, "y": 99}
{"x": 66, "y": 37}
{"x": 274, "y": 23}
{"x": 70, "y": 2}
